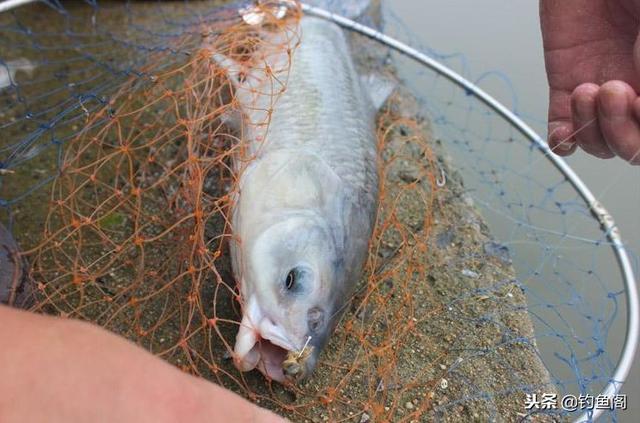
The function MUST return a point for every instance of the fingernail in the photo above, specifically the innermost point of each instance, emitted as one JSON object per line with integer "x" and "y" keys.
{"x": 560, "y": 136}
{"x": 563, "y": 146}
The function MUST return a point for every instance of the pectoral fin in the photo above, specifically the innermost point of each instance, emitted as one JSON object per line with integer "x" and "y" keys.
{"x": 379, "y": 88}
{"x": 233, "y": 69}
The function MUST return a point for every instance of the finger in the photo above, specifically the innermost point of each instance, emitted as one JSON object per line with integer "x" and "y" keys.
{"x": 561, "y": 140}
{"x": 560, "y": 130}
{"x": 636, "y": 113}
{"x": 584, "y": 109}
{"x": 618, "y": 123}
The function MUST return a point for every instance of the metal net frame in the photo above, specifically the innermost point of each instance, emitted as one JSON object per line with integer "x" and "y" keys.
{"x": 118, "y": 177}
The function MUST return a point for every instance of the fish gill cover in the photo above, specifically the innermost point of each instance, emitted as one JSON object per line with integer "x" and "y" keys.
{"x": 117, "y": 180}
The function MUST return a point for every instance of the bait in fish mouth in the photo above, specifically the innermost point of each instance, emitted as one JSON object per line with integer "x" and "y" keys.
{"x": 295, "y": 363}
{"x": 307, "y": 192}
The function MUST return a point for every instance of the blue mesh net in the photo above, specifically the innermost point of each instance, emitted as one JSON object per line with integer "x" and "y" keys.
{"x": 66, "y": 69}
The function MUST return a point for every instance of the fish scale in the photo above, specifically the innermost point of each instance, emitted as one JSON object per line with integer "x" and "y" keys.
{"x": 324, "y": 110}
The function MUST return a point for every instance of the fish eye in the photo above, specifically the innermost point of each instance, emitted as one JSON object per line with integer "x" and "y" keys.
{"x": 297, "y": 280}
{"x": 290, "y": 281}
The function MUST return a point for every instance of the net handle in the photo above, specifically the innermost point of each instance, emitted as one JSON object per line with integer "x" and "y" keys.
{"x": 599, "y": 212}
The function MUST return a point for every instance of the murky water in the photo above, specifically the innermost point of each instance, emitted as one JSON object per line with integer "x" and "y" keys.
{"x": 505, "y": 36}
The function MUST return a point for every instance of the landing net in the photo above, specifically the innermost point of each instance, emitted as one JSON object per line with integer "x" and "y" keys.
{"x": 483, "y": 288}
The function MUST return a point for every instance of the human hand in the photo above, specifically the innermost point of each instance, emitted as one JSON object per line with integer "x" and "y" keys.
{"x": 592, "y": 56}
{"x": 59, "y": 370}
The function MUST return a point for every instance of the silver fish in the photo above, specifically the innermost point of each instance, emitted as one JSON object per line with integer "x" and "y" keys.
{"x": 307, "y": 199}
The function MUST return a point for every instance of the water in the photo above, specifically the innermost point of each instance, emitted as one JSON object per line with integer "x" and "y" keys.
{"x": 505, "y": 36}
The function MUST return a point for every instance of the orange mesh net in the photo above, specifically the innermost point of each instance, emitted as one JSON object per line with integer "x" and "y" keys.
{"x": 136, "y": 240}
{"x": 118, "y": 171}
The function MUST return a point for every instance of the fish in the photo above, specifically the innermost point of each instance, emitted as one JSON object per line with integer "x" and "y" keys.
{"x": 8, "y": 71}
{"x": 306, "y": 202}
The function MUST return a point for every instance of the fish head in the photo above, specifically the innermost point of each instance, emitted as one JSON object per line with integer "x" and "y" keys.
{"x": 291, "y": 287}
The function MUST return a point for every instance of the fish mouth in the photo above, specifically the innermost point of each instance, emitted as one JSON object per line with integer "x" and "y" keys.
{"x": 261, "y": 344}
{"x": 265, "y": 356}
